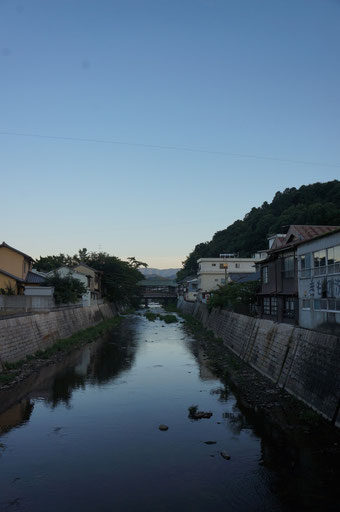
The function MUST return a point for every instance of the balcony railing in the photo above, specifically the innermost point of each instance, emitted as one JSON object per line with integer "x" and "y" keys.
{"x": 333, "y": 268}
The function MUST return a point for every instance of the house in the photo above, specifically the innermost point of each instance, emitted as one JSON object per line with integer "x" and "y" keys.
{"x": 190, "y": 293}
{"x": 278, "y": 296}
{"x": 94, "y": 279}
{"x": 65, "y": 271}
{"x": 319, "y": 282}
{"x": 15, "y": 268}
{"x": 214, "y": 272}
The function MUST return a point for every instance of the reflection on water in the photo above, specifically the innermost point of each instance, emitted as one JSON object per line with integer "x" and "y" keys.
{"x": 82, "y": 434}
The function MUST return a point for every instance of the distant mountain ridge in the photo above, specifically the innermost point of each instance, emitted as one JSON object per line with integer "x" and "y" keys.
{"x": 158, "y": 272}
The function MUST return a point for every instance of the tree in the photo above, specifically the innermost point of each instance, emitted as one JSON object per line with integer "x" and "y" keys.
{"x": 232, "y": 295}
{"x": 136, "y": 264}
{"x": 318, "y": 203}
{"x": 67, "y": 290}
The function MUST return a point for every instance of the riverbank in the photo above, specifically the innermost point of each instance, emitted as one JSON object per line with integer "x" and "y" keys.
{"x": 14, "y": 373}
{"x": 285, "y": 416}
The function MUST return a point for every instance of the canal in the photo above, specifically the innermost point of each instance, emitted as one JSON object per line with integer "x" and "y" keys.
{"x": 83, "y": 435}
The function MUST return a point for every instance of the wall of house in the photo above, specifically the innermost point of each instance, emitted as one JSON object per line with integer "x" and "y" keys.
{"x": 25, "y": 335}
{"x": 312, "y": 287}
{"x": 13, "y": 262}
{"x": 305, "y": 363}
{"x": 6, "y": 281}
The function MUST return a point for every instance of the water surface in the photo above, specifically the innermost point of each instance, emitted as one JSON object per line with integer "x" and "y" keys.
{"x": 83, "y": 434}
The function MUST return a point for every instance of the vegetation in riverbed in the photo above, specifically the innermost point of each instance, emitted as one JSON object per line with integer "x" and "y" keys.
{"x": 170, "y": 308}
{"x": 169, "y": 319}
{"x": 150, "y": 316}
{"x": 12, "y": 370}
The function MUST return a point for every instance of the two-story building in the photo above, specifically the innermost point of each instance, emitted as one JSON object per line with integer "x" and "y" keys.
{"x": 319, "y": 282}
{"x": 15, "y": 268}
{"x": 94, "y": 279}
{"x": 278, "y": 296}
{"x": 215, "y": 272}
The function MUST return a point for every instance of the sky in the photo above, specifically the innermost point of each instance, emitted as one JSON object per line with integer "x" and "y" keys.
{"x": 142, "y": 127}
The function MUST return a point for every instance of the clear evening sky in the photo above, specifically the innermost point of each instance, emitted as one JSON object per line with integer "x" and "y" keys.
{"x": 234, "y": 79}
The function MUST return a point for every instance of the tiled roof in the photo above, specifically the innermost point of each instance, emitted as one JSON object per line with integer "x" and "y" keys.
{"x": 298, "y": 234}
{"x": 244, "y": 278}
{"x": 34, "y": 278}
{"x": 16, "y": 250}
{"x": 11, "y": 275}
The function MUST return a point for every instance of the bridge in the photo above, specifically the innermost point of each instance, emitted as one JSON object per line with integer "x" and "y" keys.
{"x": 158, "y": 289}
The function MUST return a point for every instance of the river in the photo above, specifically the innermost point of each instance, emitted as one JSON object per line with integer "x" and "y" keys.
{"x": 82, "y": 435}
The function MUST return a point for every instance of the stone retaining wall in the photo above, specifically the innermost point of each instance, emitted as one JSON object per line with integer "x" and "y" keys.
{"x": 22, "y": 336}
{"x": 305, "y": 363}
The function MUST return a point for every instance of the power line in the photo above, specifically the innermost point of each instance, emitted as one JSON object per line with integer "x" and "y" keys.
{"x": 171, "y": 148}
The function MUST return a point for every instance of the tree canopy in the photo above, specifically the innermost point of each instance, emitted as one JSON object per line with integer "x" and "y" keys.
{"x": 119, "y": 277}
{"x": 318, "y": 203}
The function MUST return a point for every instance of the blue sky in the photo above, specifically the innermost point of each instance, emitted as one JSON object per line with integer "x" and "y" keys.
{"x": 225, "y": 77}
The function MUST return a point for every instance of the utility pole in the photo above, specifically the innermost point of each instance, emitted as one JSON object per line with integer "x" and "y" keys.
{"x": 225, "y": 266}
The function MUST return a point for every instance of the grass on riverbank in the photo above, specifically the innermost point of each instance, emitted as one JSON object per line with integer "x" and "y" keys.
{"x": 168, "y": 319}
{"x": 63, "y": 346}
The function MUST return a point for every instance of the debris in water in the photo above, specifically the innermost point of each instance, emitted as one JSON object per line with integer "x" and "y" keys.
{"x": 163, "y": 427}
{"x": 210, "y": 442}
{"x": 195, "y": 414}
{"x": 225, "y": 455}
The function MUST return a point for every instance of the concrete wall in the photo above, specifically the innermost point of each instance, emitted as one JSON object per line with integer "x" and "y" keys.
{"x": 22, "y": 336}
{"x": 26, "y": 302}
{"x": 305, "y": 363}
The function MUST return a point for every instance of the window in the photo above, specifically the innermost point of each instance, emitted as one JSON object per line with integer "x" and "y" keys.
{"x": 288, "y": 267}
{"x": 333, "y": 259}
{"x": 213, "y": 264}
{"x": 327, "y": 304}
{"x": 266, "y": 305}
{"x": 289, "y": 309}
{"x": 319, "y": 258}
{"x": 305, "y": 303}
{"x": 237, "y": 265}
{"x": 273, "y": 306}
{"x": 305, "y": 265}
{"x": 270, "y": 305}
{"x": 216, "y": 279}
{"x": 264, "y": 275}
{"x": 223, "y": 265}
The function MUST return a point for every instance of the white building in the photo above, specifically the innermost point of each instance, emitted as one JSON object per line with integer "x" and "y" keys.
{"x": 214, "y": 272}
{"x": 319, "y": 283}
{"x": 65, "y": 271}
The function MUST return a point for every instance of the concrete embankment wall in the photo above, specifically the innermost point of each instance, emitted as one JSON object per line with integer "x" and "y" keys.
{"x": 305, "y": 363}
{"x": 25, "y": 335}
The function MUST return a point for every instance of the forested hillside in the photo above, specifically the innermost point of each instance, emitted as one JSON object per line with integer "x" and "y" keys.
{"x": 318, "y": 203}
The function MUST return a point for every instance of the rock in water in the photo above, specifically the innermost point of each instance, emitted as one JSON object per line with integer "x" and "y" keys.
{"x": 225, "y": 455}
{"x": 163, "y": 427}
{"x": 210, "y": 442}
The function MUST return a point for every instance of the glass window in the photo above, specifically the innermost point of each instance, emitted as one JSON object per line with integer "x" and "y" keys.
{"x": 266, "y": 305}
{"x": 273, "y": 306}
{"x": 319, "y": 258}
{"x": 223, "y": 265}
{"x": 213, "y": 264}
{"x": 333, "y": 259}
{"x": 237, "y": 265}
{"x": 288, "y": 266}
{"x": 289, "y": 309}
{"x": 305, "y": 303}
{"x": 264, "y": 275}
{"x": 305, "y": 265}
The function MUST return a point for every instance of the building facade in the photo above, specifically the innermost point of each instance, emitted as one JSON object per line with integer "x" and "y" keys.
{"x": 319, "y": 283}
{"x": 215, "y": 272}
{"x": 278, "y": 297}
